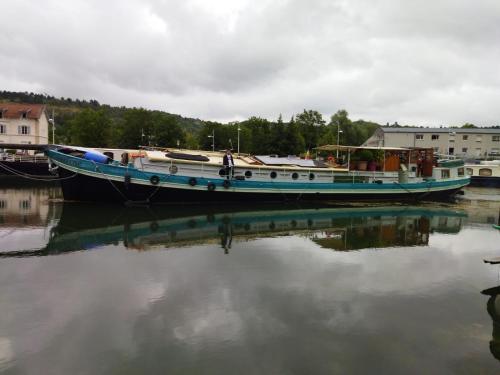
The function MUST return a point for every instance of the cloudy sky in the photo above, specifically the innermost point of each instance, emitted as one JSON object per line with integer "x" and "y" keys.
{"x": 416, "y": 62}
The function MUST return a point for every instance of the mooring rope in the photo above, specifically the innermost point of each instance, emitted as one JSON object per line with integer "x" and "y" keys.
{"x": 34, "y": 177}
{"x": 119, "y": 191}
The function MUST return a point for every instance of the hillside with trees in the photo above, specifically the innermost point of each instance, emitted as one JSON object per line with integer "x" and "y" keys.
{"x": 89, "y": 123}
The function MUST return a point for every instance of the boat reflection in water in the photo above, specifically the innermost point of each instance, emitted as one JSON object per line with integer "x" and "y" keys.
{"x": 493, "y": 308}
{"x": 84, "y": 227}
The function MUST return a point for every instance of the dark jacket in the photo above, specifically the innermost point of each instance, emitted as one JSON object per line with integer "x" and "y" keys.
{"x": 225, "y": 160}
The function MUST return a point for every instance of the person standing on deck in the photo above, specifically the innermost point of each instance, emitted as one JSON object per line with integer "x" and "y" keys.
{"x": 228, "y": 163}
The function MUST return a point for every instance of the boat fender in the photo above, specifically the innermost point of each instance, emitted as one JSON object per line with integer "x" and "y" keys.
{"x": 210, "y": 186}
{"x": 226, "y": 184}
{"x": 154, "y": 226}
{"x": 192, "y": 181}
{"x": 154, "y": 180}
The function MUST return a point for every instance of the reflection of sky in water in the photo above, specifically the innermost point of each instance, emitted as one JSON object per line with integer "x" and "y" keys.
{"x": 13, "y": 238}
{"x": 271, "y": 305}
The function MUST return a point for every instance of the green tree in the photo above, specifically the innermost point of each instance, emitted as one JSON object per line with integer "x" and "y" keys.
{"x": 165, "y": 131}
{"x": 311, "y": 126}
{"x": 340, "y": 121}
{"x": 293, "y": 142}
{"x": 135, "y": 128}
{"x": 90, "y": 128}
{"x": 277, "y": 133}
{"x": 468, "y": 126}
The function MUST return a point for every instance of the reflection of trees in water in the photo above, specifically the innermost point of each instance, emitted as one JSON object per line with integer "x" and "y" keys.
{"x": 377, "y": 232}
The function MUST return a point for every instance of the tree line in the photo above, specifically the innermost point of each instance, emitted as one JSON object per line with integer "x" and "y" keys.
{"x": 89, "y": 123}
{"x": 304, "y": 131}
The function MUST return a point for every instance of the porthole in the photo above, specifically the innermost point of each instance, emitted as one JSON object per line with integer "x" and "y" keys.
{"x": 311, "y": 176}
{"x": 273, "y": 174}
{"x": 295, "y": 175}
{"x": 248, "y": 174}
{"x": 173, "y": 169}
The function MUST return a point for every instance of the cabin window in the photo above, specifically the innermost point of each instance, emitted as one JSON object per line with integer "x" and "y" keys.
{"x": 311, "y": 176}
{"x": 464, "y": 149}
{"x": 460, "y": 172}
{"x": 248, "y": 174}
{"x": 495, "y": 138}
{"x": 469, "y": 171}
{"x": 435, "y": 137}
{"x": 465, "y": 137}
{"x": 23, "y": 129}
{"x": 486, "y": 172}
{"x": 273, "y": 174}
{"x": 3, "y": 129}
{"x": 419, "y": 136}
{"x": 445, "y": 173}
{"x": 295, "y": 175}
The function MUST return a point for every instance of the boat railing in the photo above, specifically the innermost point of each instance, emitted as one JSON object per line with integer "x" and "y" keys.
{"x": 23, "y": 158}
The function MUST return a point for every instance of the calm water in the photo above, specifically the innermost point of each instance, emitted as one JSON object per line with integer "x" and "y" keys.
{"x": 90, "y": 289}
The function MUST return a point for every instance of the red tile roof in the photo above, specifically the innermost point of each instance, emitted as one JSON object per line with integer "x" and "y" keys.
{"x": 15, "y": 110}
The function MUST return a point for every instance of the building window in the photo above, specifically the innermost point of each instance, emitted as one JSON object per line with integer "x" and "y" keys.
{"x": 452, "y": 140}
{"x": 1, "y": 113}
{"x": 485, "y": 172}
{"x": 23, "y": 129}
{"x": 419, "y": 136}
{"x": 464, "y": 150}
{"x": 25, "y": 204}
{"x": 478, "y": 138}
{"x": 24, "y": 115}
{"x": 3, "y": 129}
{"x": 465, "y": 137}
{"x": 495, "y": 138}
{"x": 435, "y": 137}
{"x": 436, "y": 149}
{"x": 3, "y": 204}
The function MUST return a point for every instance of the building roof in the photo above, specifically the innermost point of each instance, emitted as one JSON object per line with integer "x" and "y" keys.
{"x": 391, "y": 129}
{"x": 15, "y": 110}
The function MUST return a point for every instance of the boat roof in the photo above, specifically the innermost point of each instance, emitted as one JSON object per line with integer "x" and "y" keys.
{"x": 349, "y": 148}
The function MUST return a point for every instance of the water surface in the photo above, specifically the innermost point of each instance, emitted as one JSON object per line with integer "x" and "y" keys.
{"x": 88, "y": 289}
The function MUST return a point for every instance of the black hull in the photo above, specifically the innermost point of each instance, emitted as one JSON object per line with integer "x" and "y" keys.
{"x": 10, "y": 168}
{"x": 80, "y": 187}
{"x": 485, "y": 181}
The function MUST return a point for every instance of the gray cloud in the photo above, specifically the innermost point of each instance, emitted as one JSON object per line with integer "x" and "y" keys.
{"x": 427, "y": 63}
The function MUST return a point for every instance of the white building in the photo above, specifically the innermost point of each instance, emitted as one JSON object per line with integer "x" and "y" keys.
{"x": 469, "y": 143}
{"x": 23, "y": 124}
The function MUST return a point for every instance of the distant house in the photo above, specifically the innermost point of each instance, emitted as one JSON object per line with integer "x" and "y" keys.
{"x": 23, "y": 124}
{"x": 469, "y": 143}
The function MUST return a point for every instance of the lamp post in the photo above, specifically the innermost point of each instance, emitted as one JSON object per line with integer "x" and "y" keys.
{"x": 239, "y": 129}
{"x": 53, "y": 122}
{"x": 213, "y": 139}
{"x": 338, "y": 139}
